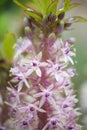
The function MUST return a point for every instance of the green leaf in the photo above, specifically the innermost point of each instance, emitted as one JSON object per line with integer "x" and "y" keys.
{"x": 66, "y": 4}
{"x": 67, "y": 7}
{"x": 38, "y": 5}
{"x": 71, "y": 6}
{"x": 42, "y": 5}
{"x": 74, "y": 19}
{"x": 59, "y": 11}
{"x": 34, "y": 15}
{"x": 20, "y": 4}
{"x": 53, "y": 6}
{"x": 31, "y": 12}
{"x": 79, "y": 19}
{"x": 7, "y": 46}
{"x": 45, "y": 4}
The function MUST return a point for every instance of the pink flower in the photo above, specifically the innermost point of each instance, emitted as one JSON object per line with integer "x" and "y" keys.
{"x": 56, "y": 70}
{"x": 66, "y": 53}
{"x": 53, "y": 123}
{"x": 69, "y": 101}
{"x": 2, "y": 128}
{"x": 15, "y": 95}
{"x": 31, "y": 109}
{"x": 20, "y": 77}
{"x": 22, "y": 46}
{"x": 65, "y": 85}
{"x": 35, "y": 65}
{"x": 46, "y": 94}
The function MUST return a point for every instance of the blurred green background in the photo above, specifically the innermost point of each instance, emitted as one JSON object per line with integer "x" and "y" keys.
{"x": 11, "y": 20}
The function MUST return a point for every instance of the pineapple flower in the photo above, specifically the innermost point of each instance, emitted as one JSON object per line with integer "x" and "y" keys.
{"x": 28, "y": 114}
{"x": 25, "y": 124}
{"x": 46, "y": 94}
{"x": 56, "y": 71}
{"x": 2, "y": 127}
{"x": 20, "y": 77}
{"x": 25, "y": 67}
{"x": 35, "y": 65}
{"x": 72, "y": 126}
{"x": 13, "y": 112}
{"x": 65, "y": 85}
{"x": 30, "y": 109}
{"x": 15, "y": 95}
{"x": 69, "y": 101}
{"x": 66, "y": 53}
{"x": 72, "y": 117}
{"x": 63, "y": 117}
{"x": 54, "y": 122}
{"x": 23, "y": 46}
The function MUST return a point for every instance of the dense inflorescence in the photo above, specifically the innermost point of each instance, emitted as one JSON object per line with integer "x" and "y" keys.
{"x": 43, "y": 97}
{"x": 40, "y": 93}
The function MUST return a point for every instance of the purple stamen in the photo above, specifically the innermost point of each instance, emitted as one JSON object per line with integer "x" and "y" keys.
{"x": 53, "y": 122}
{"x": 25, "y": 123}
{"x": 47, "y": 95}
{"x": 70, "y": 128}
{"x": 34, "y": 64}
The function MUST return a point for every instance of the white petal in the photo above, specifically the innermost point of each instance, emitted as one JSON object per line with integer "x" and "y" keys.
{"x": 20, "y": 85}
{"x": 38, "y": 94}
{"x": 64, "y": 74}
{"x": 39, "y": 56}
{"x": 17, "y": 54}
{"x": 9, "y": 89}
{"x": 52, "y": 101}
{"x": 40, "y": 110}
{"x": 50, "y": 87}
{"x": 56, "y": 76}
{"x": 46, "y": 126}
{"x": 42, "y": 101}
{"x": 42, "y": 64}
{"x": 70, "y": 59}
{"x": 65, "y": 59}
{"x": 29, "y": 72}
{"x": 26, "y": 83}
{"x": 41, "y": 88}
{"x": 38, "y": 72}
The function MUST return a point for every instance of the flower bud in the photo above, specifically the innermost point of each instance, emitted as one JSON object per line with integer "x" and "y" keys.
{"x": 52, "y": 36}
{"x": 51, "y": 18}
{"x": 27, "y": 29}
{"x": 66, "y": 25}
{"x": 59, "y": 27}
{"x": 61, "y": 15}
